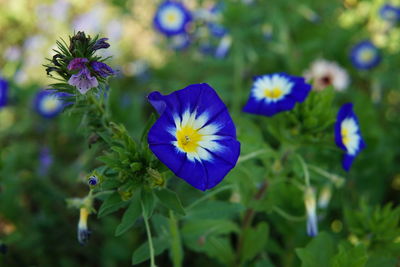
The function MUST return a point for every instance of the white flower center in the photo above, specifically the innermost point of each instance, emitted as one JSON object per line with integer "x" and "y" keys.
{"x": 171, "y": 18}
{"x": 272, "y": 88}
{"x": 194, "y": 136}
{"x": 350, "y": 136}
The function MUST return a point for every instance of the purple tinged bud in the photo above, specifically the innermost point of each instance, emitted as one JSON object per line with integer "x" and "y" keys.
{"x": 93, "y": 180}
{"x": 77, "y": 63}
{"x": 101, "y": 43}
{"x": 102, "y": 69}
{"x": 83, "y": 81}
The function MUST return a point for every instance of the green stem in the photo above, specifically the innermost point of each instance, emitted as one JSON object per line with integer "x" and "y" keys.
{"x": 288, "y": 216}
{"x": 148, "y": 232}
{"x": 206, "y": 196}
{"x": 251, "y": 155}
{"x": 305, "y": 170}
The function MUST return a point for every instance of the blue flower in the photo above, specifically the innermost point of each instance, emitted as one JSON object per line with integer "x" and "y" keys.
{"x": 223, "y": 47}
{"x": 100, "y": 44}
{"x": 180, "y": 42}
{"x": 274, "y": 93}
{"x": 390, "y": 13}
{"x": 195, "y": 136}
{"x": 365, "y": 55}
{"x": 45, "y": 160}
{"x": 49, "y": 103}
{"x": 102, "y": 69}
{"x": 77, "y": 63}
{"x": 3, "y": 92}
{"x": 214, "y": 25}
{"x": 171, "y": 18}
{"x": 311, "y": 210}
{"x": 347, "y": 134}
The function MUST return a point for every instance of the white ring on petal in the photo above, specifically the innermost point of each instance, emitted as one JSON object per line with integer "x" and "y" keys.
{"x": 349, "y": 125}
{"x": 270, "y": 82}
{"x": 208, "y": 142}
{"x": 171, "y": 18}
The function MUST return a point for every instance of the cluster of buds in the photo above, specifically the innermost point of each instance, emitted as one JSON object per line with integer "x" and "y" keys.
{"x": 77, "y": 63}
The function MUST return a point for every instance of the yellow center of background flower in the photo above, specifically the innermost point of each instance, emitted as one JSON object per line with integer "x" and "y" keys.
{"x": 50, "y": 104}
{"x": 188, "y": 139}
{"x": 171, "y": 18}
{"x": 274, "y": 93}
{"x": 345, "y": 136}
{"x": 366, "y": 55}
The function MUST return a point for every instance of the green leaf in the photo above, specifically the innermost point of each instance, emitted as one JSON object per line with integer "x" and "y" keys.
{"x": 170, "y": 200}
{"x": 148, "y": 200}
{"x": 111, "y": 204}
{"x": 131, "y": 214}
{"x": 215, "y": 210}
{"x": 143, "y": 253}
{"x": 318, "y": 252}
{"x": 349, "y": 256}
{"x": 254, "y": 241}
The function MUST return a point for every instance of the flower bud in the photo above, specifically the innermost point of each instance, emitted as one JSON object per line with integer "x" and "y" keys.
{"x": 83, "y": 232}
{"x": 311, "y": 209}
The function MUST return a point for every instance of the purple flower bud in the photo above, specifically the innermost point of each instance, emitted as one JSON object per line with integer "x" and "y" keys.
{"x": 102, "y": 69}
{"x": 101, "y": 43}
{"x": 83, "y": 81}
{"x": 77, "y": 63}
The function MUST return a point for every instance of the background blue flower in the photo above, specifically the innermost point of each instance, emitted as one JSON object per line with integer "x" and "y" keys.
{"x": 274, "y": 93}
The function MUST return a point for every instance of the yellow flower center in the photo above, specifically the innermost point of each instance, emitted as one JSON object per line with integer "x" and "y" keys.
{"x": 274, "y": 93}
{"x": 171, "y": 17}
{"x": 188, "y": 138}
{"x": 345, "y": 136}
{"x": 50, "y": 104}
{"x": 367, "y": 55}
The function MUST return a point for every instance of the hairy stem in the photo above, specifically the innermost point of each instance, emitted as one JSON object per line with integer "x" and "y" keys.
{"x": 149, "y": 238}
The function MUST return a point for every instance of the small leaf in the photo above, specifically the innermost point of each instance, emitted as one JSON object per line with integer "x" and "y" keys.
{"x": 170, "y": 200}
{"x": 131, "y": 214}
{"x": 254, "y": 241}
{"x": 111, "y": 204}
{"x": 318, "y": 252}
{"x": 148, "y": 202}
{"x": 143, "y": 253}
{"x": 349, "y": 256}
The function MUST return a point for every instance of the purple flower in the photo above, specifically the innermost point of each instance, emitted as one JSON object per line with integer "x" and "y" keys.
{"x": 101, "y": 43}
{"x": 77, "y": 63}
{"x": 102, "y": 69}
{"x": 83, "y": 81}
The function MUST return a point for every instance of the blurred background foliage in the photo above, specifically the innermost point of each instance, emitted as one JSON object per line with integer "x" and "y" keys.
{"x": 259, "y": 205}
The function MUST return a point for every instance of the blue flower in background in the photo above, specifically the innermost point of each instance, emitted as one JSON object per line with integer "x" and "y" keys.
{"x": 365, "y": 55}
{"x": 49, "y": 103}
{"x": 45, "y": 161}
{"x": 195, "y": 136}
{"x": 347, "y": 134}
{"x": 274, "y": 93}
{"x": 180, "y": 42}
{"x": 214, "y": 25}
{"x": 390, "y": 13}
{"x": 223, "y": 47}
{"x": 3, "y": 92}
{"x": 171, "y": 18}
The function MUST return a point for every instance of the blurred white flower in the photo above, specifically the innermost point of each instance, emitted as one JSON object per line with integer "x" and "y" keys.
{"x": 324, "y": 73}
